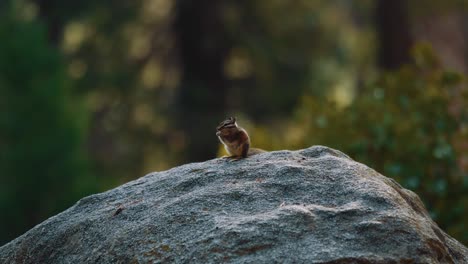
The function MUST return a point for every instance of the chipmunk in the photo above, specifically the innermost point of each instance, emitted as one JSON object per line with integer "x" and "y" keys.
{"x": 235, "y": 139}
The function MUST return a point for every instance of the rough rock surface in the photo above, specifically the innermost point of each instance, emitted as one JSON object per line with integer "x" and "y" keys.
{"x": 308, "y": 206}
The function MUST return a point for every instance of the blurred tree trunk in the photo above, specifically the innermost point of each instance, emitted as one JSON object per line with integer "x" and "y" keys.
{"x": 203, "y": 45}
{"x": 394, "y": 34}
{"x": 448, "y": 35}
{"x": 51, "y": 17}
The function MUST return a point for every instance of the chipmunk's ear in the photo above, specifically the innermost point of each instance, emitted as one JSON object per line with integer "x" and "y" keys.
{"x": 233, "y": 119}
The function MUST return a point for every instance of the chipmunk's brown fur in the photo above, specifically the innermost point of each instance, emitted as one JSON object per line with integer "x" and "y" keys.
{"x": 235, "y": 139}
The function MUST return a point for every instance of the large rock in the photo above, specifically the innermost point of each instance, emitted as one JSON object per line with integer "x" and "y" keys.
{"x": 309, "y": 206}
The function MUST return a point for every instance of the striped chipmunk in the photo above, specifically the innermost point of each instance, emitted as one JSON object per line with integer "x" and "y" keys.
{"x": 235, "y": 139}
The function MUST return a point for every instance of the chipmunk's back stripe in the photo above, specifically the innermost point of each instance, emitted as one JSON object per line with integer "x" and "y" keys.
{"x": 227, "y": 123}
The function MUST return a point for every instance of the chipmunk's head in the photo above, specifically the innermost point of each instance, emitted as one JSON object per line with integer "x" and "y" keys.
{"x": 226, "y": 127}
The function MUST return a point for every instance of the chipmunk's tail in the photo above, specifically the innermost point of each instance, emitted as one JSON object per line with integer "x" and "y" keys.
{"x": 255, "y": 151}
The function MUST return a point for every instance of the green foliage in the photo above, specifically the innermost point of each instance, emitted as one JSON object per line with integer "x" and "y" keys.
{"x": 407, "y": 126}
{"x": 42, "y": 165}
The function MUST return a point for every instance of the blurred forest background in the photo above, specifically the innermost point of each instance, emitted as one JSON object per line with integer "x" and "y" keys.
{"x": 97, "y": 93}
